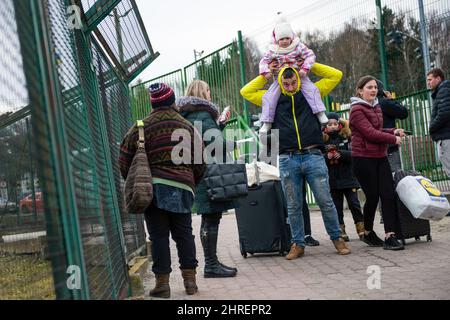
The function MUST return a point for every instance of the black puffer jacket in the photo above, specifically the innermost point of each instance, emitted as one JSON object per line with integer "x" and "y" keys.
{"x": 440, "y": 117}
{"x": 341, "y": 173}
{"x": 298, "y": 127}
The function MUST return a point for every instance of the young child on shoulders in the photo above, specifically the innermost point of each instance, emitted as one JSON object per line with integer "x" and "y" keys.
{"x": 288, "y": 50}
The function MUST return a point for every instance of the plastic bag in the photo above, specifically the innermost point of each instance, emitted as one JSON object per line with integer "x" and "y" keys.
{"x": 422, "y": 198}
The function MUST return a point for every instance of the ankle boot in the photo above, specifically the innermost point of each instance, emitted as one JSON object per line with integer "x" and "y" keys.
{"x": 162, "y": 288}
{"x": 189, "y": 281}
{"x": 360, "y": 229}
{"x": 213, "y": 269}
{"x": 343, "y": 233}
{"x": 341, "y": 247}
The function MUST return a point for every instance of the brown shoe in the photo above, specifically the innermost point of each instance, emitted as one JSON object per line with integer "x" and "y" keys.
{"x": 360, "y": 230}
{"x": 296, "y": 252}
{"x": 344, "y": 234}
{"x": 341, "y": 247}
{"x": 162, "y": 289}
{"x": 189, "y": 281}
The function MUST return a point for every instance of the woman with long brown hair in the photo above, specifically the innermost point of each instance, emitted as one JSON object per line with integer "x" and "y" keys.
{"x": 370, "y": 162}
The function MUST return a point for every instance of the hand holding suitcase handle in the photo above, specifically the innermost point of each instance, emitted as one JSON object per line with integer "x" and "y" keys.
{"x": 402, "y": 133}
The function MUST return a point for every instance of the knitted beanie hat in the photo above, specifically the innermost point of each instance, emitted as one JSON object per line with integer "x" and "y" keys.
{"x": 161, "y": 95}
{"x": 283, "y": 30}
{"x": 333, "y": 115}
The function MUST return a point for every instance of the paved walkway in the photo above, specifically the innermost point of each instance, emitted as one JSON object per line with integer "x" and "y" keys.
{"x": 422, "y": 271}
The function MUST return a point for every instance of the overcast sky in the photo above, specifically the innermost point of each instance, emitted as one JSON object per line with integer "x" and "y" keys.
{"x": 178, "y": 27}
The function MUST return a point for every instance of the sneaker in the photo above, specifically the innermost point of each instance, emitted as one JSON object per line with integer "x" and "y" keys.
{"x": 310, "y": 241}
{"x": 372, "y": 239}
{"x": 392, "y": 243}
{"x": 296, "y": 252}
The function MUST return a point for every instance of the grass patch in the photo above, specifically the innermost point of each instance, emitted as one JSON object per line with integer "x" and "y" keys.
{"x": 25, "y": 277}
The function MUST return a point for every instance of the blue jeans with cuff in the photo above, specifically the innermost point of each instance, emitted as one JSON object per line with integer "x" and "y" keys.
{"x": 294, "y": 169}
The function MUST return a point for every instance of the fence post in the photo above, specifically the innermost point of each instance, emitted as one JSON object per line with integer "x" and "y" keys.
{"x": 243, "y": 78}
{"x": 30, "y": 150}
{"x": 61, "y": 214}
{"x": 382, "y": 46}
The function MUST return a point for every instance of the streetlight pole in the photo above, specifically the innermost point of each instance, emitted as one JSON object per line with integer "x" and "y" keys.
{"x": 198, "y": 54}
{"x": 424, "y": 36}
{"x": 381, "y": 44}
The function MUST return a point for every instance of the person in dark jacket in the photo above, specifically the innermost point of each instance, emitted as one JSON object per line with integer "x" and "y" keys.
{"x": 173, "y": 188}
{"x": 440, "y": 117}
{"x": 337, "y": 137}
{"x": 392, "y": 110}
{"x": 370, "y": 163}
{"x": 196, "y": 106}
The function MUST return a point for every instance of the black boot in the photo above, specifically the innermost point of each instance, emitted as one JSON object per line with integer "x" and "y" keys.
{"x": 213, "y": 268}
{"x": 227, "y": 267}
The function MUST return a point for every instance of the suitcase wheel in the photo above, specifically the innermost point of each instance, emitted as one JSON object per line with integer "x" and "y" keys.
{"x": 429, "y": 238}
{"x": 404, "y": 242}
{"x": 243, "y": 251}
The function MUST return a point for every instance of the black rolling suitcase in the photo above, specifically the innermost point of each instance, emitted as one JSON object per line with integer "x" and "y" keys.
{"x": 262, "y": 220}
{"x": 409, "y": 227}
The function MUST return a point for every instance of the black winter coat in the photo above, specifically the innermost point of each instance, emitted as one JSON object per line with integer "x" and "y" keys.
{"x": 440, "y": 117}
{"x": 392, "y": 110}
{"x": 298, "y": 127}
{"x": 341, "y": 174}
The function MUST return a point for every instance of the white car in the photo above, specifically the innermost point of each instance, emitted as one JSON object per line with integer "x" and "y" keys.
{"x": 7, "y": 206}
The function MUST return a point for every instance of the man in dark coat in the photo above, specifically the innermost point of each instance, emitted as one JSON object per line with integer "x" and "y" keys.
{"x": 392, "y": 110}
{"x": 440, "y": 117}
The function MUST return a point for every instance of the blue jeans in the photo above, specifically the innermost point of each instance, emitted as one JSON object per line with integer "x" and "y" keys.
{"x": 312, "y": 167}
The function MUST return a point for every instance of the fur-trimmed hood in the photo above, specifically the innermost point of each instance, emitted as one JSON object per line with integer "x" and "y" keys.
{"x": 194, "y": 104}
{"x": 345, "y": 132}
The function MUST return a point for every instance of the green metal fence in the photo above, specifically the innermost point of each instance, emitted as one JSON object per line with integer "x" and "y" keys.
{"x": 222, "y": 70}
{"x": 384, "y": 39}
{"x": 141, "y": 98}
{"x": 25, "y": 270}
{"x": 347, "y": 34}
{"x": 64, "y": 108}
